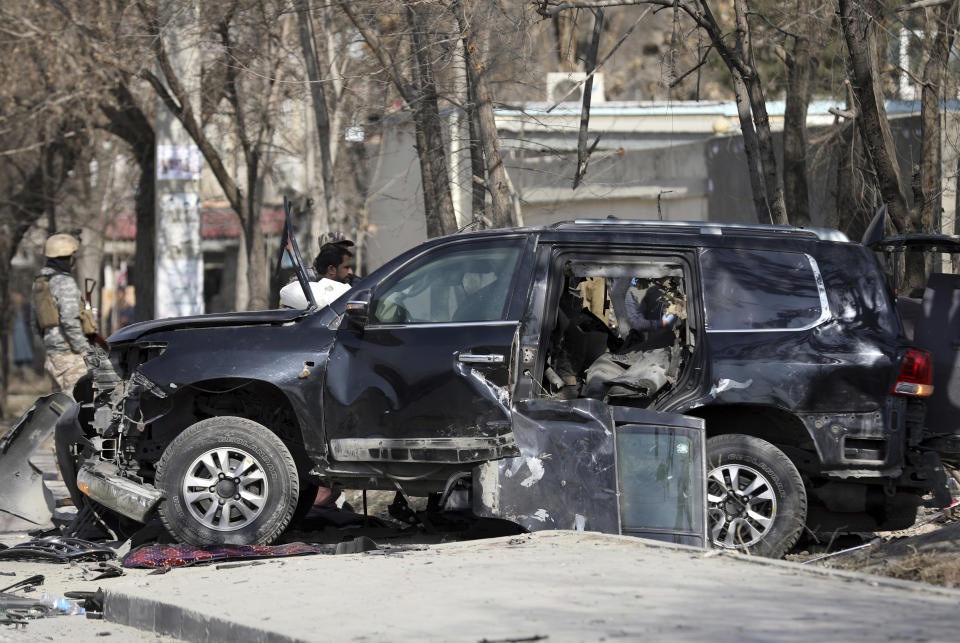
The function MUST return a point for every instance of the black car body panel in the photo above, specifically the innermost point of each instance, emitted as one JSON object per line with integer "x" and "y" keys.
{"x": 416, "y": 373}
{"x": 262, "y": 347}
{"x": 217, "y": 320}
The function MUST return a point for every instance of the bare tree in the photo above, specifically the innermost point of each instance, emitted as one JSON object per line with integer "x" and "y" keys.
{"x": 419, "y": 91}
{"x": 321, "y": 107}
{"x": 801, "y": 64}
{"x": 126, "y": 119}
{"x": 737, "y": 54}
{"x": 859, "y": 30}
{"x": 252, "y": 53}
{"x": 475, "y": 45}
{"x": 46, "y": 107}
{"x": 931, "y": 137}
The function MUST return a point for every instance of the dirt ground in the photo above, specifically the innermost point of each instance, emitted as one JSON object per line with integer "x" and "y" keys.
{"x": 928, "y": 552}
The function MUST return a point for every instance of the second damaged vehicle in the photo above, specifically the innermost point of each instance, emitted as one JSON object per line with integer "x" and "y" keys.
{"x": 465, "y": 353}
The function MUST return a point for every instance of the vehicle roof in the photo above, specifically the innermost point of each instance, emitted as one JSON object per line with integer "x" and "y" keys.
{"x": 694, "y": 232}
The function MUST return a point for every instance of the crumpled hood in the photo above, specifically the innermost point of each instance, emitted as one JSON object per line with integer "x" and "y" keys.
{"x": 252, "y": 318}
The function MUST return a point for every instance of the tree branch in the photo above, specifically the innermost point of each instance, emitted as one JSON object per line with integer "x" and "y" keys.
{"x": 703, "y": 61}
{"x": 605, "y": 59}
{"x": 380, "y": 51}
{"x": 556, "y": 6}
{"x": 922, "y": 4}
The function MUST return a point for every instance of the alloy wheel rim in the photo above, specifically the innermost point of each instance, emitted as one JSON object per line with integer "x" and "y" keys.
{"x": 225, "y": 489}
{"x": 741, "y": 506}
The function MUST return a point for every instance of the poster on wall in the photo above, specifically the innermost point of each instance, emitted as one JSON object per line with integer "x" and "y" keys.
{"x": 179, "y": 263}
{"x": 179, "y": 163}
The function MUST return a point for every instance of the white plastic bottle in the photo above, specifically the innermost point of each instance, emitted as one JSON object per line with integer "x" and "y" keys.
{"x": 62, "y": 605}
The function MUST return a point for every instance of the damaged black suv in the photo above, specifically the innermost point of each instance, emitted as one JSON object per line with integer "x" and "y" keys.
{"x": 783, "y": 340}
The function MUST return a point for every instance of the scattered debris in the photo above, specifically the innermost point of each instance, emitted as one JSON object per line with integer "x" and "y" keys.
{"x": 229, "y": 565}
{"x": 843, "y": 551}
{"x": 101, "y": 571}
{"x": 57, "y": 549}
{"x": 27, "y": 584}
{"x": 23, "y": 498}
{"x": 92, "y": 602}
{"x": 358, "y": 545}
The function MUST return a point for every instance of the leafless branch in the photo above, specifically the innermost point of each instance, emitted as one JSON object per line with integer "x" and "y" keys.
{"x": 922, "y": 4}
{"x": 771, "y": 25}
{"x": 556, "y": 6}
{"x": 703, "y": 61}
{"x": 583, "y": 153}
{"x": 35, "y": 146}
{"x": 605, "y": 59}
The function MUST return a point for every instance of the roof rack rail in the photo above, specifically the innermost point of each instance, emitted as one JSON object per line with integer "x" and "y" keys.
{"x": 712, "y": 227}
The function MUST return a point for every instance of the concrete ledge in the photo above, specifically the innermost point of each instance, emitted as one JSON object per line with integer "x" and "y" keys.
{"x": 561, "y": 584}
{"x": 169, "y": 619}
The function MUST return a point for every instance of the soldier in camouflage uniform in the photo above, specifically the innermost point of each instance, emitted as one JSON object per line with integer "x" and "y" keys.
{"x": 57, "y": 306}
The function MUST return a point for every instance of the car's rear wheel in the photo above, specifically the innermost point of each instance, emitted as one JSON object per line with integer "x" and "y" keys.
{"x": 227, "y": 480}
{"x": 755, "y": 496}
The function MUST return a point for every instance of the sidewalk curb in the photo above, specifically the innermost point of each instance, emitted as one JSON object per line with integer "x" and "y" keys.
{"x": 170, "y": 620}
{"x": 153, "y": 614}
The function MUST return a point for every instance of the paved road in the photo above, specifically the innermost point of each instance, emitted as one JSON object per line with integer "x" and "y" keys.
{"x": 562, "y": 585}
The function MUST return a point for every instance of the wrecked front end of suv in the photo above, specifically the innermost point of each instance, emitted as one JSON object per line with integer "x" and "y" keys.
{"x": 138, "y": 398}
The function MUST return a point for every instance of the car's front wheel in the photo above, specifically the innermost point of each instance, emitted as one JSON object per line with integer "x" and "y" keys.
{"x": 227, "y": 480}
{"x": 756, "y": 500}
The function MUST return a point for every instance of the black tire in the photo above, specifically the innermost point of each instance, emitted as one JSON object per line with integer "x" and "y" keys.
{"x": 768, "y": 519}
{"x": 253, "y": 511}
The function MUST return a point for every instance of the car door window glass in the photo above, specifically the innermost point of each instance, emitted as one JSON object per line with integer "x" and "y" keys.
{"x": 472, "y": 284}
{"x": 759, "y": 289}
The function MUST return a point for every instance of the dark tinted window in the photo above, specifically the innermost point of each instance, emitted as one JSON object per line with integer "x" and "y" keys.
{"x": 856, "y": 288}
{"x": 459, "y": 285}
{"x": 757, "y": 289}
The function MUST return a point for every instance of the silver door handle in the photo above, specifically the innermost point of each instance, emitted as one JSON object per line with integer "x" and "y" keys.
{"x": 470, "y": 358}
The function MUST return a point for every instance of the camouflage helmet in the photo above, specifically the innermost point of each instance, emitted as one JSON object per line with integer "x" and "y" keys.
{"x": 60, "y": 245}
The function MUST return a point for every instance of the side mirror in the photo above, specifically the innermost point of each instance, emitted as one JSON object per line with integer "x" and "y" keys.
{"x": 357, "y": 310}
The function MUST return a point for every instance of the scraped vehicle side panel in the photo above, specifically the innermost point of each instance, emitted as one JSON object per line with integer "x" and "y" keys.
{"x": 832, "y": 372}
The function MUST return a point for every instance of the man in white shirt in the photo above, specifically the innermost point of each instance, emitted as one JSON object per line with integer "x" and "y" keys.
{"x": 334, "y": 266}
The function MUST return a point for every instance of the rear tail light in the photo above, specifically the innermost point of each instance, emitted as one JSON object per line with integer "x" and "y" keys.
{"x": 916, "y": 374}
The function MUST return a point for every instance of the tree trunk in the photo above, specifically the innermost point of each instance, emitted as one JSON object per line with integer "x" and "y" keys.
{"x": 860, "y": 37}
{"x": 253, "y": 237}
{"x": 477, "y": 162}
{"x": 55, "y": 162}
{"x": 126, "y": 120}
{"x": 758, "y": 106}
{"x": 431, "y": 148}
{"x": 751, "y": 149}
{"x": 800, "y": 69}
{"x": 498, "y": 183}
{"x": 320, "y": 112}
{"x": 740, "y": 68}
{"x": 931, "y": 186}
{"x": 8, "y": 247}
{"x": 422, "y": 100}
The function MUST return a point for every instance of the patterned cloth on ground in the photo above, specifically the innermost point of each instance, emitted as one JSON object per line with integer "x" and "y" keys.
{"x": 181, "y": 555}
